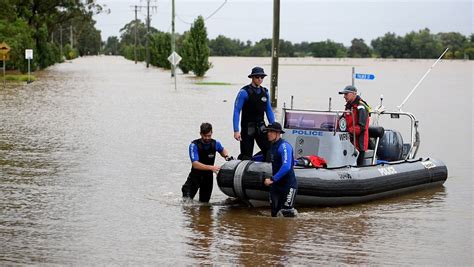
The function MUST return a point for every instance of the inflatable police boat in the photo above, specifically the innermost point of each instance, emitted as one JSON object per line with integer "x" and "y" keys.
{"x": 390, "y": 165}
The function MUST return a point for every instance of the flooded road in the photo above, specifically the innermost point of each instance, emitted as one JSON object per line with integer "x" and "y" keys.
{"x": 93, "y": 156}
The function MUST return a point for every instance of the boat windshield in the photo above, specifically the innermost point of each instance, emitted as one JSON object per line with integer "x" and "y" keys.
{"x": 308, "y": 120}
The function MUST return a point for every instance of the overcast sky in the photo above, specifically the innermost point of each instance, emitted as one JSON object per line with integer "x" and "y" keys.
{"x": 315, "y": 20}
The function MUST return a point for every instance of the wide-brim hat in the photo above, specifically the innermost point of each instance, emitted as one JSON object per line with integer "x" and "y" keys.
{"x": 275, "y": 127}
{"x": 348, "y": 89}
{"x": 257, "y": 71}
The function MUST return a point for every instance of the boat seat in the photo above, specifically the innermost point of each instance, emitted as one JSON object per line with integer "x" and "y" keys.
{"x": 369, "y": 153}
{"x": 368, "y": 157}
{"x": 375, "y": 134}
{"x": 376, "y": 131}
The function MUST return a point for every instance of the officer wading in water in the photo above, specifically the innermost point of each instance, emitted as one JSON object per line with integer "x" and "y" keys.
{"x": 202, "y": 153}
{"x": 254, "y": 101}
{"x": 283, "y": 185}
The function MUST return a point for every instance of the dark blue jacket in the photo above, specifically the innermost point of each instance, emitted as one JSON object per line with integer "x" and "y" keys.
{"x": 282, "y": 164}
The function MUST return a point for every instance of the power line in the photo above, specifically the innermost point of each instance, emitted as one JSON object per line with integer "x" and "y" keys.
{"x": 213, "y": 13}
{"x": 208, "y": 17}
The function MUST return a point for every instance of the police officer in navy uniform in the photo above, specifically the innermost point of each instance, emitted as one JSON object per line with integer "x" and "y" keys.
{"x": 283, "y": 185}
{"x": 202, "y": 153}
{"x": 254, "y": 101}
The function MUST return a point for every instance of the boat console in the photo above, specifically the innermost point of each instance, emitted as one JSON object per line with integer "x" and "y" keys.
{"x": 324, "y": 134}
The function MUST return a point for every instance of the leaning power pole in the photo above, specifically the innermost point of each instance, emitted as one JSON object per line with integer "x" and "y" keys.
{"x": 275, "y": 52}
{"x": 173, "y": 39}
{"x": 147, "y": 33}
{"x": 136, "y": 24}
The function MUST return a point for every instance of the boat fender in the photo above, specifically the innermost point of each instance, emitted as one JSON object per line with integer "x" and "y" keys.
{"x": 239, "y": 173}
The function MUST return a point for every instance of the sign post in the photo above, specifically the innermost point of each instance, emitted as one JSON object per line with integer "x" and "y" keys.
{"x": 174, "y": 59}
{"x": 29, "y": 56}
{"x": 4, "y": 81}
{"x": 4, "y": 49}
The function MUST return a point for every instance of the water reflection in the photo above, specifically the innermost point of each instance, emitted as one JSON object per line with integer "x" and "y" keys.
{"x": 83, "y": 145}
{"x": 343, "y": 235}
{"x": 200, "y": 222}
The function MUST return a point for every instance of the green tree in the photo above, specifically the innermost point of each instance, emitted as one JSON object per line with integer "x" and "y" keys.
{"x": 160, "y": 49}
{"x": 18, "y": 35}
{"x": 223, "y": 46}
{"x": 69, "y": 52}
{"x": 286, "y": 49}
{"x": 199, "y": 58}
{"x": 46, "y": 56}
{"x": 303, "y": 49}
{"x": 358, "y": 48}
{"x": 262, "y": 48}
{"x": 127, "y": 33}
{"x": 469, "y": 47}
{"x": 185, "y": 50}
{"x": 389, "y": 46}
{"x": 89, "y": 41}
{"x": 455, "y": 41}
{"x": 328, "y": 48}
{"x": 422, "y": 44}
{"x": 111, "y": 46}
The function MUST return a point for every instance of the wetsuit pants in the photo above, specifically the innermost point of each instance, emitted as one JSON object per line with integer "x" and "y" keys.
{"x": 203, "y": 182}
{"x": 360, "y": 158}
{"x": 282, "y": 198}
{"x": 249, "y": 134}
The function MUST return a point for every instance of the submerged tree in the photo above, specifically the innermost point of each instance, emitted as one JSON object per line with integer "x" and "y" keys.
{"x": 199, "y": 48}
{"x": 185, "y": 51}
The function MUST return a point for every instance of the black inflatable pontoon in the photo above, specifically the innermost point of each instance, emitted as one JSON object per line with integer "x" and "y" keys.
{"x": 336, "y": 186}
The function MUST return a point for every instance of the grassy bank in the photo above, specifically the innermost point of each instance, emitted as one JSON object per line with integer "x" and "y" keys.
{"x": 212, "y": 83}
{"x": 18, "y": 77}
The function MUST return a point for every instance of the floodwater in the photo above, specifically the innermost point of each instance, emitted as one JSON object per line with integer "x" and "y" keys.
{"x": 93, "y": 156}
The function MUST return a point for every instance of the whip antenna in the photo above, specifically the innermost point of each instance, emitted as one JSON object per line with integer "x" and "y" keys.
{"x": 421, "y": 80}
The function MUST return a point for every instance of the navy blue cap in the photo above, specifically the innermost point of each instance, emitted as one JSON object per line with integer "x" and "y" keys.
{"x": 257, "y": 71}
{"x": 275, "y": 127}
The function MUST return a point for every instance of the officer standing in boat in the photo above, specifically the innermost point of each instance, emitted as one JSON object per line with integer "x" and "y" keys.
{"x": 254, "y": 101}
{"x": 202, "y": 153}
{"x": 283, "y": 185}
{"x": 357, "y": 119}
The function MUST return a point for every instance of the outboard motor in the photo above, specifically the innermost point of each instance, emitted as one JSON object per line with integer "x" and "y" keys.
{"x": 390, "y": 146}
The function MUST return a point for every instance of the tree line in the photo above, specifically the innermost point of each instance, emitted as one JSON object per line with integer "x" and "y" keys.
{"x": 195, "y": 47}
{"x": 47, "y": 27}
{"x": 421, "y": 44}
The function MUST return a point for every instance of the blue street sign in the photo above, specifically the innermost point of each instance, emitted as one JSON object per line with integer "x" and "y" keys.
{"x": 364, "y": 76}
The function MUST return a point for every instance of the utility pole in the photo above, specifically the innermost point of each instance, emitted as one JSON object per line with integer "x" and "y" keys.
{"x": 72, "y": 39}
{"x": 61, "y": 41}
{"x": 147, "y": 32}
{"x": 173, "y": 40}
{"x": 275, "y": 51}
{"x": 136, "y": 25}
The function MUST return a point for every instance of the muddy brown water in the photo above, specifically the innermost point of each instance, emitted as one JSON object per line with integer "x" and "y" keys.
{"x": 94, "y": 153}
